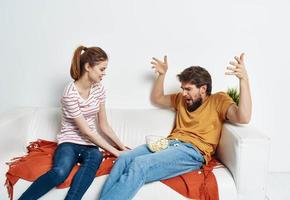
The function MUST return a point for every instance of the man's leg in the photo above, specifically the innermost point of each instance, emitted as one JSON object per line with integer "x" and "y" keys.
{"x": 64, "y": 160}
{"x": 121, "y": 166}
{"x": 177, "y": 159}
{"x": 91, "y": 159}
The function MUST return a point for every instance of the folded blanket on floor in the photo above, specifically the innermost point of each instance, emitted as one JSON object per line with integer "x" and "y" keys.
{"x": 200, "y": 184}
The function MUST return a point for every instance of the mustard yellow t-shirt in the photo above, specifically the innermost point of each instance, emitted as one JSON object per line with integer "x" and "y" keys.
{"x": 202, "y": 127}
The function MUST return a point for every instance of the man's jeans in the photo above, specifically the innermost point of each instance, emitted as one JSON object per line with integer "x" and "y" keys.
{"x": 65, "y": 158}
{"x": 135, "y": 168}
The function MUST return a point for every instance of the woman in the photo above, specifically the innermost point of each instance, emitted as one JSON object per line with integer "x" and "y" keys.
{"x": 84, "y": 117}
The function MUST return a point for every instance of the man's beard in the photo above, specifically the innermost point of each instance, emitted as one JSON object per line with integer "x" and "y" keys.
{"x": 195, "y": 105}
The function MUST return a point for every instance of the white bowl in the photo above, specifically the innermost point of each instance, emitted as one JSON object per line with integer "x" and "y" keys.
{"x": 156, "y": 143}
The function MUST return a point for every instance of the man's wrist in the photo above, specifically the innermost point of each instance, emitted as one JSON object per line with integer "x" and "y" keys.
{"x": 161, "y": 74}
{"x": 244, "y": 79}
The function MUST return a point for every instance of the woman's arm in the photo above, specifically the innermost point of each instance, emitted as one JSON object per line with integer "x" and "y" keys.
{"x": 95, "y": 137}
{"x": 106, "y": 128}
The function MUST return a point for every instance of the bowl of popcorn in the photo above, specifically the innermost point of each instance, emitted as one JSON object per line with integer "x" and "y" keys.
{"x": 156, "y": 143}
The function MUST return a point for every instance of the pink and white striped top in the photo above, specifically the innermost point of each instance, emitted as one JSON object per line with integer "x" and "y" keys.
{"x": 73, "y": 106}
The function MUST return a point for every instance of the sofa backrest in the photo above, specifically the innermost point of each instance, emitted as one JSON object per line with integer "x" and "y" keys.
{"x": 131, "y": 125}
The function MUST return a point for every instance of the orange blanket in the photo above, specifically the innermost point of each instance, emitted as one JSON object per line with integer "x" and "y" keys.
{"x": 200, "y": 184}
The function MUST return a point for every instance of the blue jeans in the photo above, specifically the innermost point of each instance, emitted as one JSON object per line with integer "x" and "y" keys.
{"x": 135, "y": 168}
{"x": 65, "y": 158}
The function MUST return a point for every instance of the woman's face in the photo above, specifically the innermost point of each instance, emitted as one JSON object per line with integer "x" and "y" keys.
{"x": 97, "y": 72}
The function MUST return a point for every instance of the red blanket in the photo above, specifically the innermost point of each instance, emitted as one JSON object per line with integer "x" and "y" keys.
{"x": 200, "y": 184}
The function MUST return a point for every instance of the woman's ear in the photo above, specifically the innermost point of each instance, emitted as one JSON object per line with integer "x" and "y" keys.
{"x": 87, "y": 67}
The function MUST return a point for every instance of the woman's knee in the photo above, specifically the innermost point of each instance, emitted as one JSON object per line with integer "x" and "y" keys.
{"x": 93, "y": 158}
{"x": 60, "y": 173}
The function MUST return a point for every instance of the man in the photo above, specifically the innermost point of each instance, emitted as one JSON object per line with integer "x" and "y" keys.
{"x": 195, "y": 136}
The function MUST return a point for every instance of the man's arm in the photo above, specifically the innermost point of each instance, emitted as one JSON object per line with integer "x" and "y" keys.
{"x": 242, "y": 113}
{"x": 157, "y": 94}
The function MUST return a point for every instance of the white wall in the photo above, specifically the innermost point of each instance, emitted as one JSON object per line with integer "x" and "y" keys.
{"x": 38, "y": 38}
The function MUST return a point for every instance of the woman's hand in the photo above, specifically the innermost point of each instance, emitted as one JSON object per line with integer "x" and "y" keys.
{"x": 118, "y": 153}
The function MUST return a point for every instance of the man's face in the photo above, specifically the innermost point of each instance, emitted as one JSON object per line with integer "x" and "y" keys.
{"x": 192, "y": 96}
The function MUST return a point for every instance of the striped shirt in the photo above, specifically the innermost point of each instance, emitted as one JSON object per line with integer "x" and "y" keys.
{"x": 73, "y": 106}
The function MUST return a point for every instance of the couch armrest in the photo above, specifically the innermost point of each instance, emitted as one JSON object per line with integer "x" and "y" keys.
{"x": 244, "y": 151}
{"x": 14, "y": 127}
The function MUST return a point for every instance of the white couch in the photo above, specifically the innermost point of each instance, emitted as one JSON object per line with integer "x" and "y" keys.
{"x": 243, "y": 150}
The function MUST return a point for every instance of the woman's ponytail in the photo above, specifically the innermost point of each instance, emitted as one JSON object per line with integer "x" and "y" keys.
{"x": 76, "y": 70}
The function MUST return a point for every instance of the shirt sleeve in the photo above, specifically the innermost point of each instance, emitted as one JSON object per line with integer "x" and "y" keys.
{"x": 224, "y": 101}
{"x": 102, "y": 94}
{"x": 174, "y": 100}
{"x": 70, "y": 107}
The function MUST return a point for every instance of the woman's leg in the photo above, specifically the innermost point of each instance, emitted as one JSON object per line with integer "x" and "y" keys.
{"x": 177, "y": 159}
{"x": 91, "y": 159}
{"x": 65, "y": 158}
{"x": 121, "y": 165}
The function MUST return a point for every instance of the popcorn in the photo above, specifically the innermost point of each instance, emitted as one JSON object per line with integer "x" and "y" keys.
{"x": 156, "y": 143}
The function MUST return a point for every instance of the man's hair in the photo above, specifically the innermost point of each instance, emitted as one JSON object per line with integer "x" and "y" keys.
{"x": 197, "y": 76}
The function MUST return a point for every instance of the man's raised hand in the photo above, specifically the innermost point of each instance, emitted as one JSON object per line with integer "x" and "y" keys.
{"x": 238, "y": 68}
{"x": 160, "y": 66}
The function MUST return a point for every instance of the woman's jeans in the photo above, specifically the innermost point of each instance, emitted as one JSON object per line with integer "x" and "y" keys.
{"x": 135, "y": 168}
{"x": 66, "y": 156}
